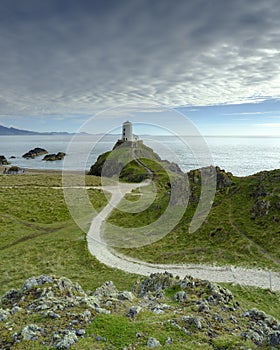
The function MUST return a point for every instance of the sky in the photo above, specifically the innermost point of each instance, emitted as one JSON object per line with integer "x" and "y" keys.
{"x": 216, "y": 62}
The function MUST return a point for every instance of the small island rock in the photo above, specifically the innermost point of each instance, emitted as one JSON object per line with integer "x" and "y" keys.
{"x": 35, "y": 152}
{"x": 3, "y": 160}
{"x": 53, "y": 156}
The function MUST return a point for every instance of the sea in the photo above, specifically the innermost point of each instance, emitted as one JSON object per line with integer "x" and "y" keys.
{"x": 241, "y": 156}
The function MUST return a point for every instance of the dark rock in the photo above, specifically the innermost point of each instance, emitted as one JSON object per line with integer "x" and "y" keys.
{"x": 35, "y": 153}
{"x": 223, "y": 178}
{"x": 3, "y": 160}
{"x": 274, "y": 338}
{"x": 53, "y": 156}
{"x": 80, "y": 332}
{"x": 11, "y": 297}
{"x": 134, "y": 311}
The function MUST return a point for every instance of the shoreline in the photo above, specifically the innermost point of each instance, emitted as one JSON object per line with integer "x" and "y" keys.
{"x": 32, "y": 171}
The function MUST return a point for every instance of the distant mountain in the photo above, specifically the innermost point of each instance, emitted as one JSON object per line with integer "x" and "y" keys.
{"x": 13, "y": 131}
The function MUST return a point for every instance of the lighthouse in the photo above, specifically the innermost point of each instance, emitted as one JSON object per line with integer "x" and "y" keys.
{"x": 127, "y": 134}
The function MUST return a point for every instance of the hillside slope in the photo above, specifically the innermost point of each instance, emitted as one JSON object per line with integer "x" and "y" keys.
{"x": 241, "y": 229}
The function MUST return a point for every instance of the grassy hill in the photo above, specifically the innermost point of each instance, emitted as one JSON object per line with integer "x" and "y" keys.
{"x": 38, "y": 236}
{"x": 241, "y": 229}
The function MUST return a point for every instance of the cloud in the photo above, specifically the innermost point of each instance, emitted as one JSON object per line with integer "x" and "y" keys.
{"x": 71, "y": 57}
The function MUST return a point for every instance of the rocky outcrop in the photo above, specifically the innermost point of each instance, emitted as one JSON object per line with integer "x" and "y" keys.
{"x": 52, "y": 157}
{"x": 127, "y": 159}
{"x": 265, "y": 193}
{"x": 223, "y": 179}
{"x": 55, "y": 313}
{"x": 3, "y": 160}
{"x": 35, "y": 153}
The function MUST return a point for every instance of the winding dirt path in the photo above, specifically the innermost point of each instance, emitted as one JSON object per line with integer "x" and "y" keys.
{"x": 111, "y": 258}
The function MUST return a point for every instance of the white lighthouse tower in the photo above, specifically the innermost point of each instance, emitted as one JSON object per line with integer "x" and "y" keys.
{"x": 127, "y": 134}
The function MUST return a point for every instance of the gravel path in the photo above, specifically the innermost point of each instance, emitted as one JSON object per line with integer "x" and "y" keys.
{"x": 109, "y": 257}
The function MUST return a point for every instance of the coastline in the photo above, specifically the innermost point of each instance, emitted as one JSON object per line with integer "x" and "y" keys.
{"x": 33, "y": 171}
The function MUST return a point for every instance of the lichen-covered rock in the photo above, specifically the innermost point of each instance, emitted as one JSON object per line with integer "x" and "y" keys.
{"x": 30, "y": 332}
{"x": 180, "y": 296}
{"x": 256, "y": 337}
{"x": 63, "y": 311}
{"x": 65, "y": 285}
{"x": 156, "y": 282}
{"x": 36, "y": 281}
{"x": 125, "y": 295}
{"x": 107, "y": 290}
{"x": 92, "y": 302}
{"x": 67, "y": 339}
{"x": 193, "y": 321}
{"x": 153, "y": 343}
{"x": 4, "y": 314}
{"x": 219, "y": 294}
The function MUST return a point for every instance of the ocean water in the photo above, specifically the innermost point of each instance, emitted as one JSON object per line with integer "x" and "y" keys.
{"x": 240, "y": 155}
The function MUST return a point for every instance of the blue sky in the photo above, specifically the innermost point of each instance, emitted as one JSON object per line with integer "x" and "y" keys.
{"x": 217, "y": 62}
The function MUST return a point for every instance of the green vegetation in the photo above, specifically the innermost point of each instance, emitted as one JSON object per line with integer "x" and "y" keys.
{"x": 39, "y": 236}
{"x": 241, "y": 229}
{"x": 222, "y": 322}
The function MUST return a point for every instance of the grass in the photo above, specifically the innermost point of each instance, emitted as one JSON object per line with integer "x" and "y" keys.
{"x": 229, "y": 236}
{"x": 38, "y": 240}
{"x": 39, "y": 236}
